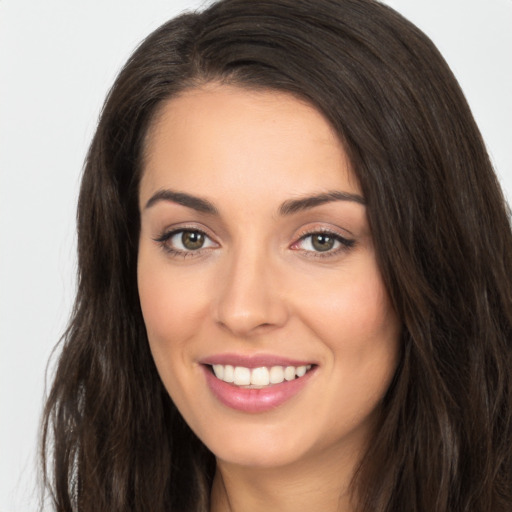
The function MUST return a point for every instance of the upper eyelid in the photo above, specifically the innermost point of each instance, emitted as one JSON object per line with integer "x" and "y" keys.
{"x": 164, "y": 241}
{"x": 345, "y": 241}
{"x": 325, "y": 230}
{"x": 334, "y": 234}
{"x": 171, "y": 230}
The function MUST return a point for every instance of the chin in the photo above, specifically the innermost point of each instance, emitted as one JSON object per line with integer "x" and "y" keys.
{"x": 263, "y": 446}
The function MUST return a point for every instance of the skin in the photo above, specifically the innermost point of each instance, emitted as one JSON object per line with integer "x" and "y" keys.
{"x": 259, "y": 285}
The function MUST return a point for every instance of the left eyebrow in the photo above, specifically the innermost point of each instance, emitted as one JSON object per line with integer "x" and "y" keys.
{"x": 195, "y": 203}
{"x": 296, "y": 205}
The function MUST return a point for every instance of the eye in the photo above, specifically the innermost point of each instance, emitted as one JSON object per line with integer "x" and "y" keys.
{"x": 189, "y": 240}
{"x": 185, "y": 241}
{"x": 323, "y": 242}
{"x": 319, "y": 242}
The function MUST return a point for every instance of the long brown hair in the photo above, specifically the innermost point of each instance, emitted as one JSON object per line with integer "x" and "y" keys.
{"x": 112, "y": 438}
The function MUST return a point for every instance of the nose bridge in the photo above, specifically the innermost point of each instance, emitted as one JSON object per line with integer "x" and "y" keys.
{"x": 249, "y": 298}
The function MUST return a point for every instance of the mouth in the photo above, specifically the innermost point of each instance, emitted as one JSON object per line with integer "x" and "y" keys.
{"x": 258, "y": 378}
{"x": 256, "y": 384}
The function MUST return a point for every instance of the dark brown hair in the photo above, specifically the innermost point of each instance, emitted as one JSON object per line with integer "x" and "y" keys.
{"x": 441, "y": 232}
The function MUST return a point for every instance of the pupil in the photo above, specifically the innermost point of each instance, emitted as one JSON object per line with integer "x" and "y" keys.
{"x": 192, "y": 240}
{"x": 323, "y": 242}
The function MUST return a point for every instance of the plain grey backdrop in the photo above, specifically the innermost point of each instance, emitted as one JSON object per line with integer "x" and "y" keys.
{"x": 57, "y": 61}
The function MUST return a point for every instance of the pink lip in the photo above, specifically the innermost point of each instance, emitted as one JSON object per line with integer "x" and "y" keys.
{"x": 253, "y": 361}
{"x": 255, "y": 400}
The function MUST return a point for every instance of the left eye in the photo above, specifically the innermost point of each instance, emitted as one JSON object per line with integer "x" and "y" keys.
{"x": 322, "y": 242}
{"x": 188, "y": 240}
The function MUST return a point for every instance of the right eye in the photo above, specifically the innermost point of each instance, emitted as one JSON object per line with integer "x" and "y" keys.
{"x": 185, "y": 241}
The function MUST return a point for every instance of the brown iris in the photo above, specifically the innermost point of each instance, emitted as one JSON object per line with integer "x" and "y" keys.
{"x": 322, "y": 242}
{"x": 192, "y": 240}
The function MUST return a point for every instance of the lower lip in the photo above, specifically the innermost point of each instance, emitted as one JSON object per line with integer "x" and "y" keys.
{"x": 255, "y": 400}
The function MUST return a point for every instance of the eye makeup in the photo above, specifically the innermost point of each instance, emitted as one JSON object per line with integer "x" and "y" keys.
{"x": 323, "y": 243}
{"x": 185, "y": 242}
{"x": 192, "y": 242}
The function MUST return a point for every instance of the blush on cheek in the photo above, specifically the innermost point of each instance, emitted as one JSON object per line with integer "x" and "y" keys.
{"x": 363, "y": 305}
{"x": 361, "y": 324}
{"x": 164, "y": 319}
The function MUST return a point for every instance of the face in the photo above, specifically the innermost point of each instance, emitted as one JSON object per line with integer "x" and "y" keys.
{"x": 265, "y": 311}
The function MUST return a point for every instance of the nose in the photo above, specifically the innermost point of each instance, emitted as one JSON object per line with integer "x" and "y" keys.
{"x": 250, "y": 300}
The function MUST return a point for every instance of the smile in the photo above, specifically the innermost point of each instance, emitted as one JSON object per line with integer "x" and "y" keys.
{"x": 256, "y": 384}
{"x": 257, "y": 378}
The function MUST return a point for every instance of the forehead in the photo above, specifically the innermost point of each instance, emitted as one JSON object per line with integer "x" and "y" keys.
{"x": 222, "y": 140}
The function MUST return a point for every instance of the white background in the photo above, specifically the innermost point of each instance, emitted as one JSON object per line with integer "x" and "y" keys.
{"x": 57, "y": 61}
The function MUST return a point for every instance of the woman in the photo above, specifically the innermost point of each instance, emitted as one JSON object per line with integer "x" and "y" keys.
{"x": 293, "y": 277}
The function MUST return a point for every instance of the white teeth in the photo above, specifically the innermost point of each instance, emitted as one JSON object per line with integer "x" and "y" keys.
{"x": 242, "y": 376}
{"x": 276, "y": 374}
{"x": 258, "y": 377}
{"x": 218, "y": 369}
{"x": 301, "y": 370}
{"x": 229, "y": 373}
{"x": 289, "y": 373}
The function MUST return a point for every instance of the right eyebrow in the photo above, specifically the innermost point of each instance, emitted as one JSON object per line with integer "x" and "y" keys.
{"x": 305, "y": 203}
{"x": 196, "y": 203}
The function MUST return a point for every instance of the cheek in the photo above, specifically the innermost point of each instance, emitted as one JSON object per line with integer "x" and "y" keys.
{"x": 170, "y": 306}
{"x": 352, "y": 308}
{"x": 171, "y": 312}
{"x": 355, "y": 320}
{"x": 361, "y": 331}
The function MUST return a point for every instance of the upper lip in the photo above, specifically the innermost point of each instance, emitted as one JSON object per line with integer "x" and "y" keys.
{"x": 253, "y": 361}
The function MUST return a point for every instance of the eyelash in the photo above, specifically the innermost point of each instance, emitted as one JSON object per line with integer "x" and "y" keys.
{"x": 164, "y": 239}
{"x": 345, "y": 244}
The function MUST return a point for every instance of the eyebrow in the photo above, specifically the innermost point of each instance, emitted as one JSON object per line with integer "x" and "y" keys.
{"x": 287, "y": 208}
{"x": 196, "y": 203}
{"x": 297, "y": 205}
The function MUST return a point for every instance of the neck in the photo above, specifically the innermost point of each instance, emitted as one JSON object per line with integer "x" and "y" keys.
{"x": 309, "y": 486}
